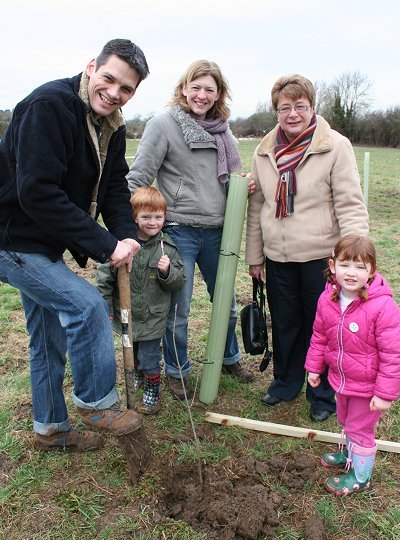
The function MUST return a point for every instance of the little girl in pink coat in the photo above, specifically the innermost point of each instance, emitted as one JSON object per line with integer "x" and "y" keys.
{"x": 356, "y": 334}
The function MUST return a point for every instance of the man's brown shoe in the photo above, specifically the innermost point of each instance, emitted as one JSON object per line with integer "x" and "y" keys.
{"x": 176, "y": 387}
{"x": 80, "y": 441}
{"x": 115, "y": 421}
{"x": 239, "y": 372}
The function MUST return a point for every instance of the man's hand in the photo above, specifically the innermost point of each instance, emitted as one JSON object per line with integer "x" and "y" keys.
{"x": 124, "y": 252}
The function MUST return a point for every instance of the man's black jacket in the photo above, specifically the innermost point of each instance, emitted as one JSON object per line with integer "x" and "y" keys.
{"x": 49, "y": 168}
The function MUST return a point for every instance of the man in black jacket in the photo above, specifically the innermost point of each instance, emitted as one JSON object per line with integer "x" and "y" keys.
{"x": 62, "y": 163}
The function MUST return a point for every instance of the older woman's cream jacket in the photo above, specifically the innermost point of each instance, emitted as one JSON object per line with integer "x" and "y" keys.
{"x": 328, "y": 204}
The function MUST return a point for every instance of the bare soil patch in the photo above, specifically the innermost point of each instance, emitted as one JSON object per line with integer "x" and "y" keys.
{"x": 135, "y": 449}
{"x": 236, "y": 498}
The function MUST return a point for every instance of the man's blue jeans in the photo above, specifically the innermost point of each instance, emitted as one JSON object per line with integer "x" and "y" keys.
{"x": 63, "y": 313}
{"x": 202, "y": 246}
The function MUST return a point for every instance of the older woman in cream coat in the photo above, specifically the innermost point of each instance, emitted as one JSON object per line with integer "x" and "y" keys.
{"x": 307, "y": 196}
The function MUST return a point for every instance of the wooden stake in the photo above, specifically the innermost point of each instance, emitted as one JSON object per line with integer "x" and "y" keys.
{"x": 290, "y": 431}
{"x": 124, "y": 289}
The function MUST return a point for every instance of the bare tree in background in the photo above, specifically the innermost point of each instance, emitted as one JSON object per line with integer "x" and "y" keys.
{"x": 344, "y": 100}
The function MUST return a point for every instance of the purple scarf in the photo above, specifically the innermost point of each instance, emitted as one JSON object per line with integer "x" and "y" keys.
{"x": 228, "y": 155}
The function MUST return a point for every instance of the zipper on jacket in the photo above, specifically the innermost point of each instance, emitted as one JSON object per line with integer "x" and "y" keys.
{"x": 178, "y": 191}
{"x": 340, "y": 353}
{"x": 340, "y": 347}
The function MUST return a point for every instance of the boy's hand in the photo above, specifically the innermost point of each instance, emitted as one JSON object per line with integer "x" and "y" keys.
{"x": 313, "y": 379}
{"x": 163, "y": 264}
{"x": 378, "y": 404}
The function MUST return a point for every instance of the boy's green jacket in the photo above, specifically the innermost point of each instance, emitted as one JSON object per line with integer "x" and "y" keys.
{"x": 150, "y": 292}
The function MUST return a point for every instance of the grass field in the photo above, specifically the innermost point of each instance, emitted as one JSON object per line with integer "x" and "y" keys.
{"x": 86, "y": 497}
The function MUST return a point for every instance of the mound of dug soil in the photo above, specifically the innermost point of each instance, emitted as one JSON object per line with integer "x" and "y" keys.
{"x": 234, "y": 500}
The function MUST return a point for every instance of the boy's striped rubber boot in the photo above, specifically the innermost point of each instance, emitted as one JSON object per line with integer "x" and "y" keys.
{"x": 151, "y": 402}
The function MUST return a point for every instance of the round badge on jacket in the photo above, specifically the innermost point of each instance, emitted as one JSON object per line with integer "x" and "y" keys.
{"x": 353, "y": 327}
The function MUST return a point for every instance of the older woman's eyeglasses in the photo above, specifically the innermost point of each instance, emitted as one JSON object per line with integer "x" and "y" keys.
{"x": 286, "y": 109}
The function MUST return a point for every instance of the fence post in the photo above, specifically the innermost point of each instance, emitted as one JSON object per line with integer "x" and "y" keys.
{"x": 366, "y": 177}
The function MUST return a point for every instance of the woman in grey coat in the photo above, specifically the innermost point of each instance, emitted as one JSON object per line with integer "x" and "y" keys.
{"x": 191, "y": 151}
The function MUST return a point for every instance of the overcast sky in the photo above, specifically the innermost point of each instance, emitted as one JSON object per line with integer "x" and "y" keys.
{"x": 253, "y": 41}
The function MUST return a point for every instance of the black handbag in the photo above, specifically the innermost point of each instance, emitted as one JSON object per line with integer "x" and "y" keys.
{"x": 254, "y": 325}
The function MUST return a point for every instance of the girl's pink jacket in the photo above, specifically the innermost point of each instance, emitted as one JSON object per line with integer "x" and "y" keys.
{"x": 361, "y": 346}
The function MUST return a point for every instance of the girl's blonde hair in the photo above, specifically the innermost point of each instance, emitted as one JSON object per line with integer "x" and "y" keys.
{"x": 353, "y": 248}
{"x": 202, "y": 68}
{"x": 148, "y": 199}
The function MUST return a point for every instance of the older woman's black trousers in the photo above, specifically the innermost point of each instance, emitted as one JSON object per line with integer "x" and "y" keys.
{"x": 293, "y": 290}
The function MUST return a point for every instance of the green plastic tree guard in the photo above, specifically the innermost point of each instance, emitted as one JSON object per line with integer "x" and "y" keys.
{"x": 224, "y": 286}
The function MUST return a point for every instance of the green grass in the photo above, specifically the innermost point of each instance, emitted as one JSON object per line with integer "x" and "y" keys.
{"x": 10, "y": 302}
{"x": 386, "y": 525}
{"x": 61, "y": 496}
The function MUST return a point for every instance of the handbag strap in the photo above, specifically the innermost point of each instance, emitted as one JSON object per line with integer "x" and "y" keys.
{"x": 259, "y": 296}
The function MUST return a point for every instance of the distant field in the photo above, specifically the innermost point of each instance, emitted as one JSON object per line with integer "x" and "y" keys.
{"x": 383, "y": 200}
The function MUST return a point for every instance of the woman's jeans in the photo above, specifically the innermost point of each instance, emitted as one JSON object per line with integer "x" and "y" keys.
{"x": 63, "y": 313}
{"x": 202, "y": 246}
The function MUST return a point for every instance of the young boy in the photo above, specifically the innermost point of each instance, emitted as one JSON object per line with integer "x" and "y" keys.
{"x": 156, "y": 271}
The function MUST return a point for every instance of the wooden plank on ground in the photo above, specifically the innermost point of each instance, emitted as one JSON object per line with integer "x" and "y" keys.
{"x": 290, "y": 431}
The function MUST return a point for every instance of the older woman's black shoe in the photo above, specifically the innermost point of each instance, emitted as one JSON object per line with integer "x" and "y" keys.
{"x": 268, "y": 399}
{"x": 320, "y": 416}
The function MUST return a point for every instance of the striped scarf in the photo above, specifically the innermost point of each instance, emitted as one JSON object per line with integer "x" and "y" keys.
{"x": 288, "y": 156}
